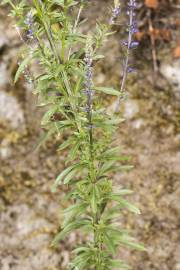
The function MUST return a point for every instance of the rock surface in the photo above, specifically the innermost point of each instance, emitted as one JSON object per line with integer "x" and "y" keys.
{"x": 11, "y": 111}
{"x": 172, "y": 73}
{"x": 23, "y": 233}
{"x": 4, "y": 76}
{"x": 131, "y": 108}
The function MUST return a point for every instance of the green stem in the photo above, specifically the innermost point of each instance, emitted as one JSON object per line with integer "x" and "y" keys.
{"x": 47, "y": 27}
{"x": 96, "y": 216}
{"x": 75, "y": 27}
{"x": 12, "y": 5}
{"x": 63, "y": 41}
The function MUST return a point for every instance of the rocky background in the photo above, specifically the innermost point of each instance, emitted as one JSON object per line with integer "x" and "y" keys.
{"x": 30, "y": 214}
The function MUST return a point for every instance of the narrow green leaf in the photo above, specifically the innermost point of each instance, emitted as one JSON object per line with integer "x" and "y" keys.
{"x": 73, "y": 211}
{"x": 70, "y": 227}
{"x": 123, "y": 203}
{"x": 106, "y": 167}
{"x": 61, "y": 176}
{"x": 129, "y": 206}
{"x": 124, "y": 168}
{"x": 111, "y": 151}
{"x": 65, "y": 144}
{"x": 81, "y": 249}
{"x": 114, "y": 121}
{"x": 22, "y": 67}
{"x": 47, "y": 116}
{"x": 123, "y": 192}
{"x": 93, "y": 200}
{"x": 73, "y": 152}
{"x": 118, "y": 263}
{"x": 127, "y": 242}
{"x": 45, "y": 136}
{"x": 109, "y": 91}
{"x": 64, "y": 174}
{"x": 97, "y": 57}
{"x": 109, "y": 243}
{"x": 70, "y": 176}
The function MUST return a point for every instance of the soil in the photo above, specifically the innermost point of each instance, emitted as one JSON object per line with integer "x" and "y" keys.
{"x": 30, "y": 214}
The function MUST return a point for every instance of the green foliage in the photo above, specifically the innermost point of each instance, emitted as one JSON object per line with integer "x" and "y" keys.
{"x": 58, "y": 48}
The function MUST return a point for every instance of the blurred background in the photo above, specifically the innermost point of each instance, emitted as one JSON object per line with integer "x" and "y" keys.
{"x": 29, "y": 213}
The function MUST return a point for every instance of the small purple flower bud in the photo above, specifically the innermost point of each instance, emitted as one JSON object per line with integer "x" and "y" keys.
{"x": 29, "y": 22}
{"x": 132, "y": 4}
{"x": 90, "y": 126}
{"x": 125, "y": 43}
{"x": 131, "y": 70}
{"x": 134, "y": 30}
{"x": 88, "y": 92}
{"x": 30, "y": 34}
{"x": 134, "y": 44}
{"x": 115, "y": 13}
{"x": 128, "y": 13}
{"x": 29, "y": 19}
{"x": 87, "y": 109}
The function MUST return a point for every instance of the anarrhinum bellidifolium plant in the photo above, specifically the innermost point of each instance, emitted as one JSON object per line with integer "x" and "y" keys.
{"x": 50, "y": 31}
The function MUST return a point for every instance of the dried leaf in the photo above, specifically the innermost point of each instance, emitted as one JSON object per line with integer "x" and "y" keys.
{"x": 140, "y": 35}
{"x": 177, "y": 22}
{"x": 176, "y": 52}
{"x": 152, "y": 3}
{"x": 164, "y": 34}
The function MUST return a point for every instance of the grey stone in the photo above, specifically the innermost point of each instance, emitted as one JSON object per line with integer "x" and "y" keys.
{"x": 177, "y": 266}
{"x": 11, "y": 111}
{"x": 23, "y": 229}
{"x": 3, "y": 41}
{"x": 4, "y": 75}
{"x": 5, "y": 150}
{"x": 172, "y": 73}
{"x": 137, "y": 124}
{"x": 131, "y": 108}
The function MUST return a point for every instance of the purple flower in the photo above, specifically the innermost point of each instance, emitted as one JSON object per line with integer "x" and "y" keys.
{"x": 88, "y": 92}
{"x": 29, "y": 19}
{"x": 131, "y": 70}
{"x": 86, "y": 109}
{"x": 30, "y": 34}
{"x": 133, "y": 44}
{"x": 91, "y": 126}
{"x": 128, "y": 13}
{"x": 115, "y": 13}
{"x": 132, "y": 4}
{"x": 29, "y": 23}
{"x": 133, "y": 27}
{"x": 125, "y": 43}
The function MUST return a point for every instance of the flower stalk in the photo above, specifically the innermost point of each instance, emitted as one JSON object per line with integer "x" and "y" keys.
{"x": 129, "y": 44}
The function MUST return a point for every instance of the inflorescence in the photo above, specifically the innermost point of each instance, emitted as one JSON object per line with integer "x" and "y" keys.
{"x": 88, "y": 79}
{"x": 129, "y": 44}
{"x": 29, "y": 23}
{"x": 88, "y": 89}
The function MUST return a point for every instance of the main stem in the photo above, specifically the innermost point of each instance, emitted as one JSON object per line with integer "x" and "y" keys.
{"x": 92, "y": 174}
